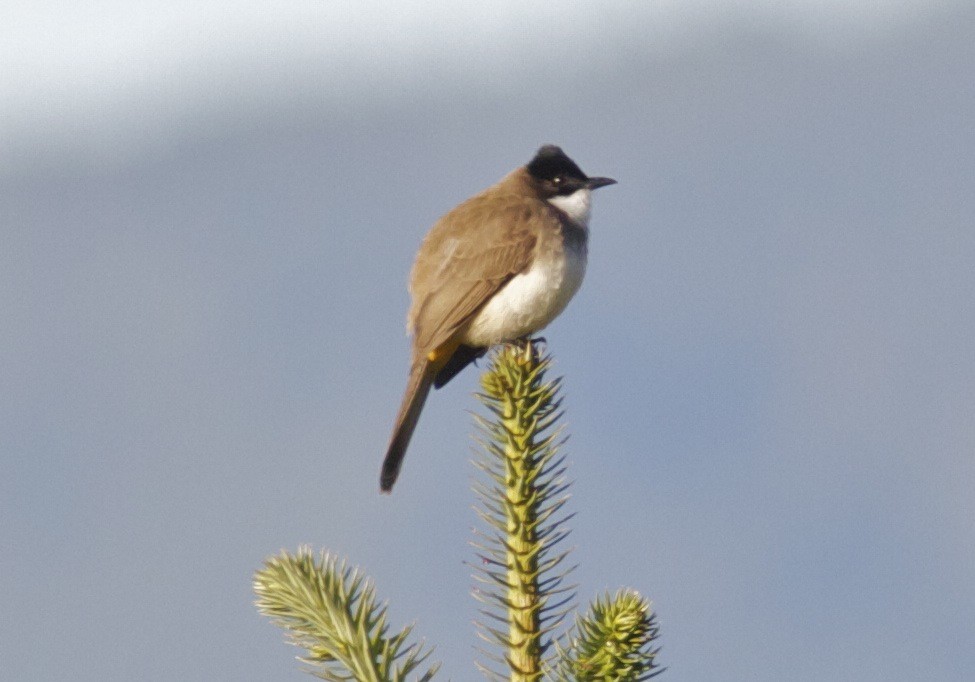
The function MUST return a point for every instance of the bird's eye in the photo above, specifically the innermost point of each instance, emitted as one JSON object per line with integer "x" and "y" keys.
{"x": 558, "y": 179}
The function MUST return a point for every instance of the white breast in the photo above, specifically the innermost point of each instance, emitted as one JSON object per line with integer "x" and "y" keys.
{"x": 531, "y": 300}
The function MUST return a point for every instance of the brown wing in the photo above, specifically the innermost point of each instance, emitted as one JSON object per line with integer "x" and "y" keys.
{"x": 458, "y": 270}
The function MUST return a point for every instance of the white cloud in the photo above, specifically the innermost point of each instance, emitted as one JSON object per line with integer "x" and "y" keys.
{"x": 113, "y": 73}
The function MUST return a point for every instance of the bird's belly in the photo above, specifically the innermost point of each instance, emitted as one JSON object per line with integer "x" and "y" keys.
{"x": 529, "y": 301}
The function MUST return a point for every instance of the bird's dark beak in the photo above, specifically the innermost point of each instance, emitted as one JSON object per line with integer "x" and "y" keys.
{"x": 596, "y": 183}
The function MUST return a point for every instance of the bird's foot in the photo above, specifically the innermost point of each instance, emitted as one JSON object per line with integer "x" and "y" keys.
{"x": 532, "y": 348}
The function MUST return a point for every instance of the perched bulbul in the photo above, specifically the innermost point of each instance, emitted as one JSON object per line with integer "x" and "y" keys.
{"x": 498, "y": 267}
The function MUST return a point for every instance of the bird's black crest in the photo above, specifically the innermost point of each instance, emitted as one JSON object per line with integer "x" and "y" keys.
{"x": 550, "y": 161}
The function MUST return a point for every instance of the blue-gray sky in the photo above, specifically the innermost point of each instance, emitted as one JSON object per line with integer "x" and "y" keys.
{"x": 207, "y": 215}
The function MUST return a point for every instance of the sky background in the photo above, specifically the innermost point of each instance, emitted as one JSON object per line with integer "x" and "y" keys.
{"x": 207, "y": 216}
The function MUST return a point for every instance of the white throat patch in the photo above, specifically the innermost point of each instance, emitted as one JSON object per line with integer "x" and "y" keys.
{"x": 576, "y": 205}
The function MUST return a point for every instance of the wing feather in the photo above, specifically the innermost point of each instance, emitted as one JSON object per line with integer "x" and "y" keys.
{"x": 456, "y": 272}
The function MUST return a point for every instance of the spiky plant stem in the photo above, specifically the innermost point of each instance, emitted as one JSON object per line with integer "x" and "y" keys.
{"x": 521, "y": 505}
{"x": 522, "y": 559}
{"x": 330, "y": 610}
{"x": 613, "y": 641}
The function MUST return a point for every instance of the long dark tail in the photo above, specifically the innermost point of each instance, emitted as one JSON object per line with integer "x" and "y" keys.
{"x": 421, "y": 379}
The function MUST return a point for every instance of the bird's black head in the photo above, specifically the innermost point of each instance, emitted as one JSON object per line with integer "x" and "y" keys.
{"x": 557, "y": 174}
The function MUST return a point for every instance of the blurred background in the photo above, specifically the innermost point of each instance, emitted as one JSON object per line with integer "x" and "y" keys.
{"x": 208, "y": 211}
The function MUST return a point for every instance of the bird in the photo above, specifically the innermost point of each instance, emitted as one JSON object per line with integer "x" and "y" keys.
{"x": 498, "y": 267}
